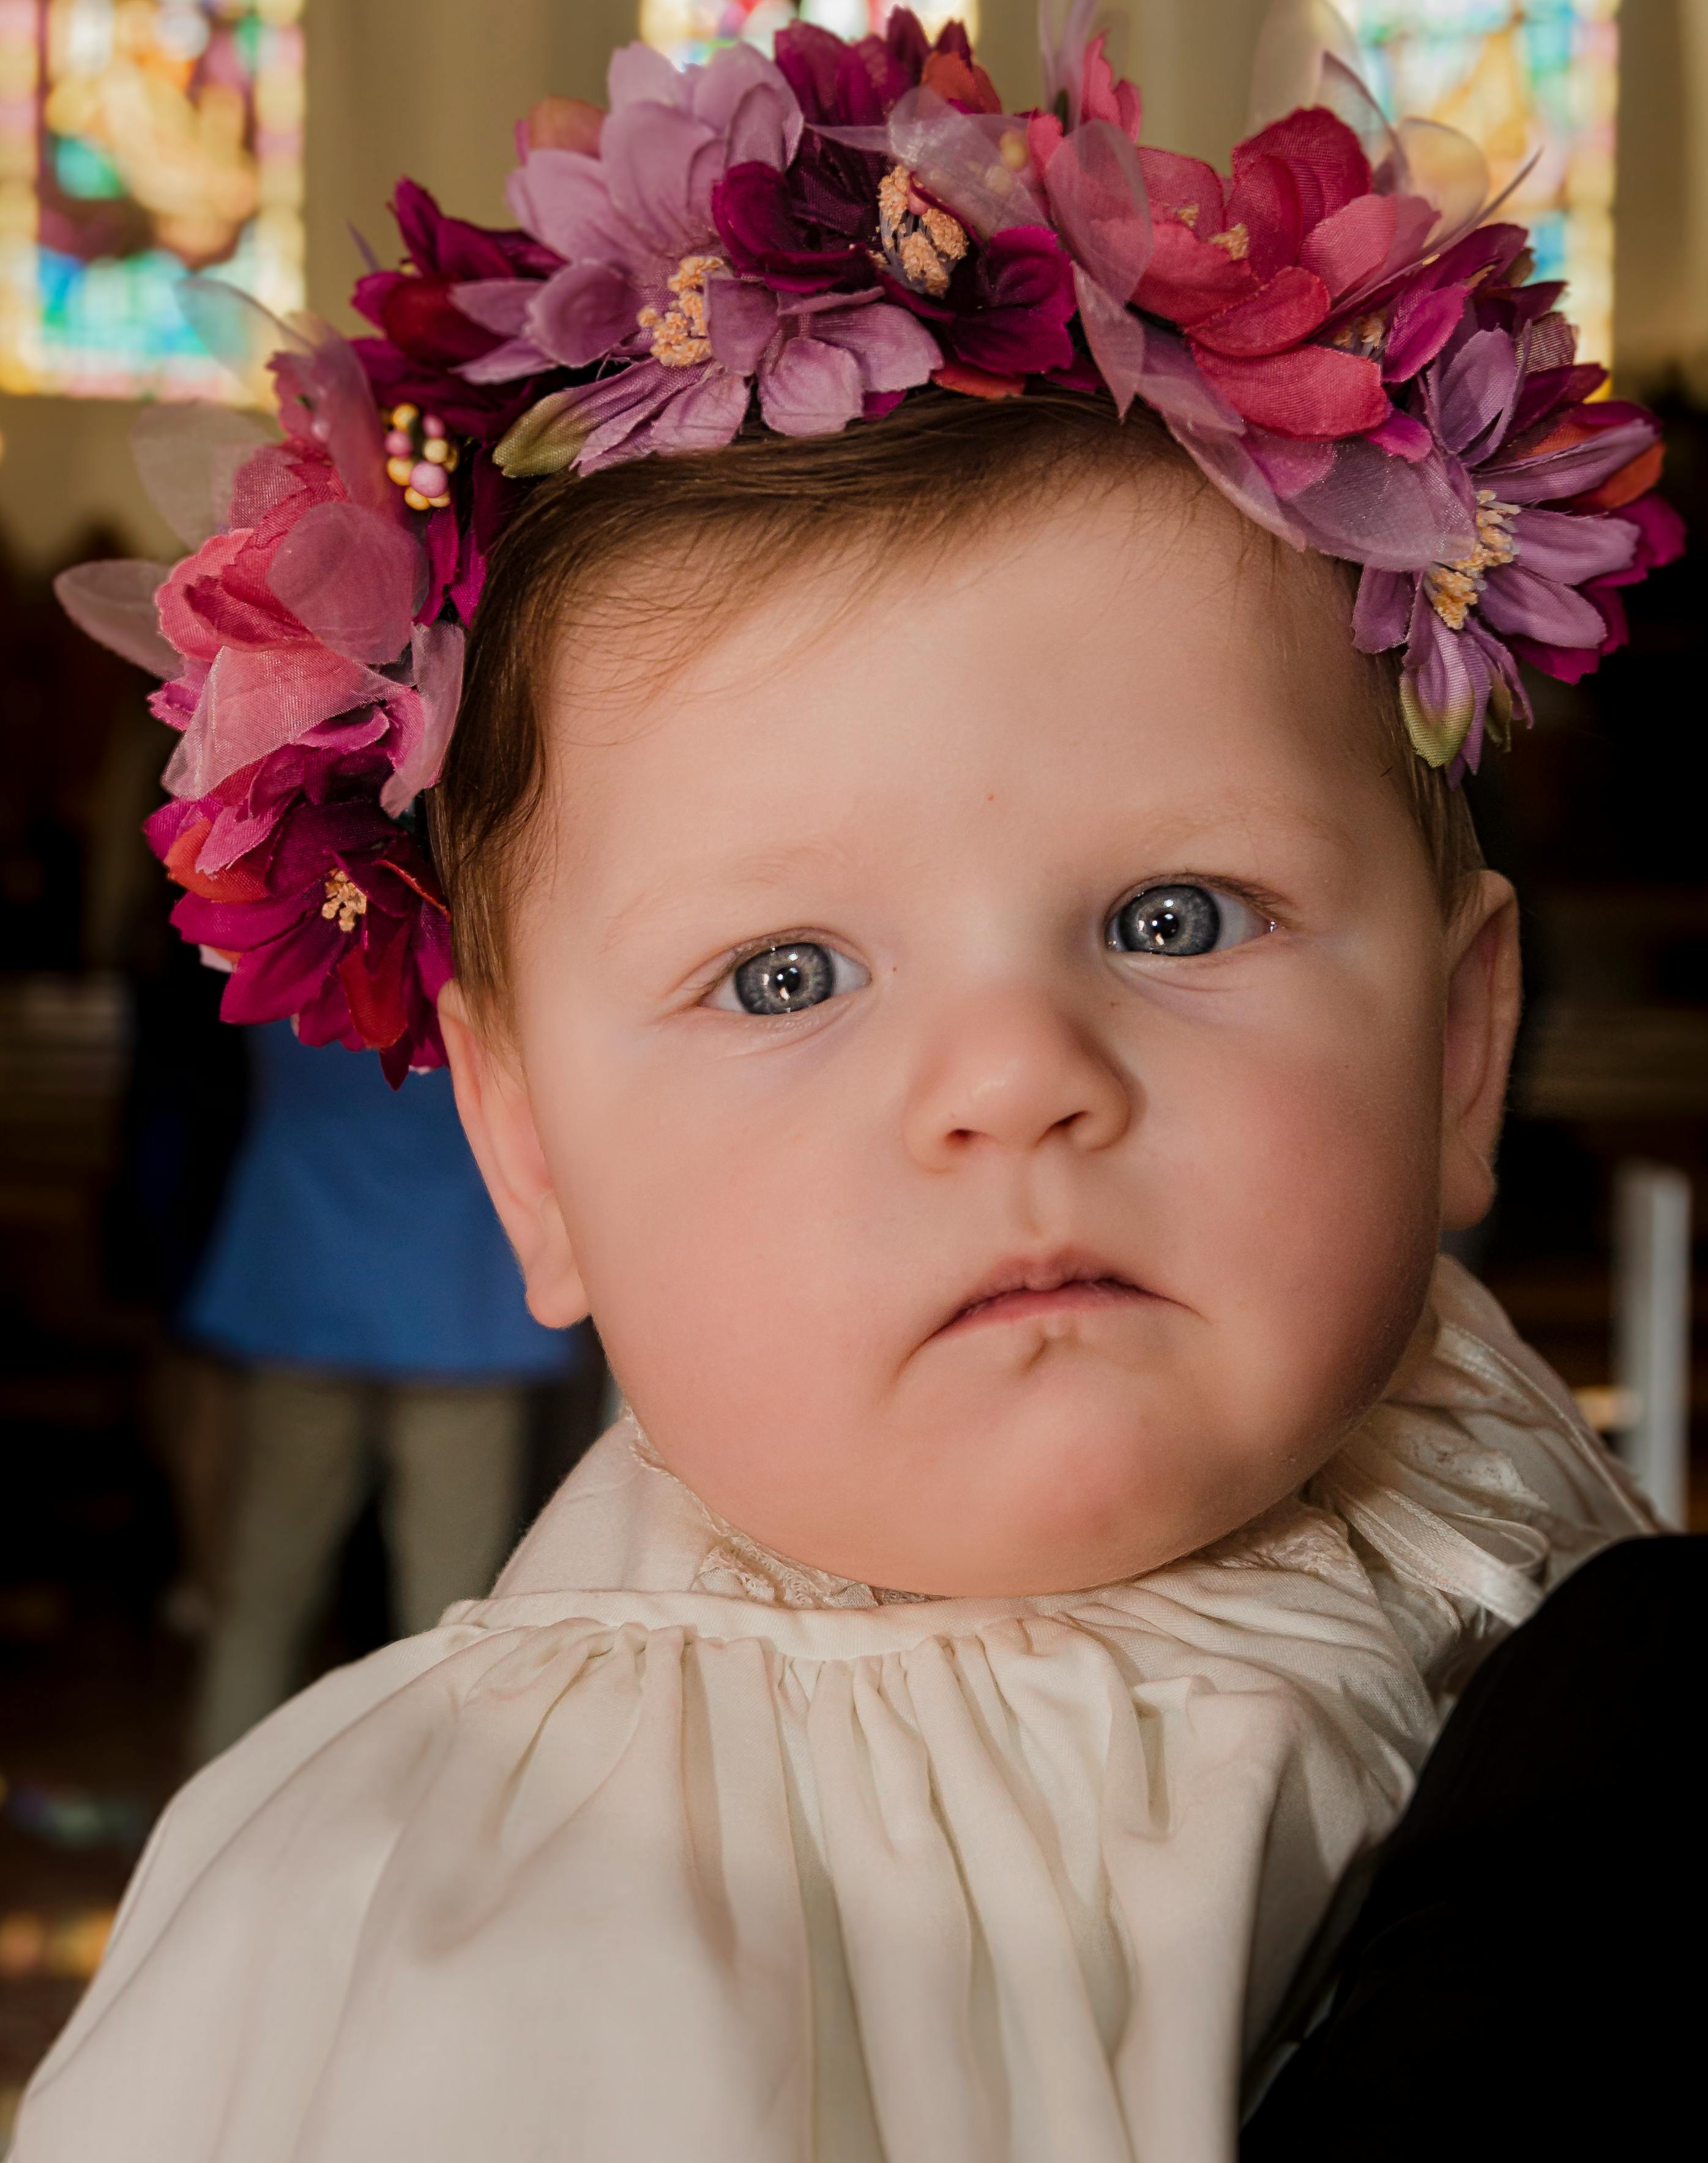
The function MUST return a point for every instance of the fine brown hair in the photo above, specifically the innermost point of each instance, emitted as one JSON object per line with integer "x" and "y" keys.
{"x": 941, "y": 464}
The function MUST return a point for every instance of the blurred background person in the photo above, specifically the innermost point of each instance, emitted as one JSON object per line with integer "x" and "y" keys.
{"x": 358, "y": 1277}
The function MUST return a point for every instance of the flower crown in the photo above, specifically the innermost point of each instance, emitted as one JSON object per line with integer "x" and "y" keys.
{"x": 1335, "y": 331}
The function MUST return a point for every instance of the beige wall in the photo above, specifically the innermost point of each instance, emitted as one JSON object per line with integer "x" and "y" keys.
{"x": 431, "y": 87}
{"x": 428, "y": 87}
{"x": 1660, "y": 273}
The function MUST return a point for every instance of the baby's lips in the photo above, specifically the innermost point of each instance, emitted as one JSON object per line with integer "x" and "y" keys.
{"x": 1042, "y": 1273}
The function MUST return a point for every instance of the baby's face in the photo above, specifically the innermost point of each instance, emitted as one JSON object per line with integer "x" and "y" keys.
{"x": 987, "y": 1052}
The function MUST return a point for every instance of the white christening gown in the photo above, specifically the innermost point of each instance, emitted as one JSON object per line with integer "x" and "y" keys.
{"x": 670, "y": 1851}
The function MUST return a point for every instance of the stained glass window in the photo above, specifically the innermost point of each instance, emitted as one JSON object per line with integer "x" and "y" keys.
{"x": 1522, "y": 77}
{"x": 140, "y": 140}
{"x": 691, "y": 29}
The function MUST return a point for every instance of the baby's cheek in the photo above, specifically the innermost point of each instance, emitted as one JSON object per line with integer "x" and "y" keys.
{"x": 1319, "y": 1222}
{"x": 727, "y": 1263}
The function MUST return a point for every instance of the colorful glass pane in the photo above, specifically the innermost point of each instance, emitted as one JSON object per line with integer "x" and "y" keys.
{"x": 141, "y": 139}
{"x": 691, "y": 29}
{"x": 1527, "y": 78}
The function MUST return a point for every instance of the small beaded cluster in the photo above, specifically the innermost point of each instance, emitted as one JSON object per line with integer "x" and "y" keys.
{"x": 679, "y": 338}
{"x": 921, "y": 242}
{"x": 420, "y": 456}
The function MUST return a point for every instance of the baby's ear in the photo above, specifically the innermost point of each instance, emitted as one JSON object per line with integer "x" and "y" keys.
{"x": 1484, "y": 994}
{"x": 499, "y": 1121}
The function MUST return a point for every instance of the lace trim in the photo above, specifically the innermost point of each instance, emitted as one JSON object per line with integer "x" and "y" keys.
{"x": 739, "y": 1567}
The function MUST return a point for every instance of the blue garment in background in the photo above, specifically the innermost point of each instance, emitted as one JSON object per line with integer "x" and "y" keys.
{"x": 355, "y": 1234}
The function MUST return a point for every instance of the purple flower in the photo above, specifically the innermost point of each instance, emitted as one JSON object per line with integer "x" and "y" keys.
{"x": 819, "y": 361}
{"x": 624, "y": 224}
{"x": 644, "y": 288}
{"x": 1521, "y": 582}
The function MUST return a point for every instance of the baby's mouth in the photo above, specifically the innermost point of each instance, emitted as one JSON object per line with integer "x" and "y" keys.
{"x": 1057, "y": 1284}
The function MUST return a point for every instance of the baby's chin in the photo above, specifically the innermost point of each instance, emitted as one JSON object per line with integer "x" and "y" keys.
{"x": 1009, "y": 1476}
{"x": 1098, "y": 1493}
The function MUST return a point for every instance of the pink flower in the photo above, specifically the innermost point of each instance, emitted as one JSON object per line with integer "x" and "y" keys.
{"x": 1081, "y": 86}
{"x": 301, "y": 616}
{"x": 1254, "y": 270}
{"x": 282, "y": 618}
{"x": 314, "y": 705}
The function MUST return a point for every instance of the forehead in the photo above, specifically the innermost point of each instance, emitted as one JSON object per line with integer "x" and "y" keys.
{"x": 1150, "y": 654}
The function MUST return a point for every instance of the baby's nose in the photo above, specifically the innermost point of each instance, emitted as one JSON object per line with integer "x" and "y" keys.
{"x": 1012, "y": 1071}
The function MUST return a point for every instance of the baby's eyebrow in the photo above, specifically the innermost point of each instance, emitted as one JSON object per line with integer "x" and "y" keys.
{"x": 1258, "y": 811}
{"x": 758, "y": 872}
{"x": 1174, "y": 835}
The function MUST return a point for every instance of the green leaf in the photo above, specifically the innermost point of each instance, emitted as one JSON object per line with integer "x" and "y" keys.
{"x": 546, "y": 439}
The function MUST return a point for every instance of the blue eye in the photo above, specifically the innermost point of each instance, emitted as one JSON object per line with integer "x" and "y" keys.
{"x": 786, "y": 980}
{"x": 1182, "y": 921}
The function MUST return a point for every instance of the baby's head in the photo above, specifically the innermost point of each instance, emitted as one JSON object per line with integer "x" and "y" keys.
{"x": 961, "y": 974}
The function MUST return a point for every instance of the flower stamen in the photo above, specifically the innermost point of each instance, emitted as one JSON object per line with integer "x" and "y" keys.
{"x": 1362, "y": 335}
{"x": 344, "y": 900}
{"x": 680, "y": 337}
{"x": 921, "y": 241}
{"x": 1234, "y": 240}
{"x": 1454, "y": 589}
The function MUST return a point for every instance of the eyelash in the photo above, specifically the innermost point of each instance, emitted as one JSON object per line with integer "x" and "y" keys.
{"x": 722, "y": 971}
{"x": 1262, "y": 905}
{"x": 1267, "y": 905}
{"x": 709, "y": 978}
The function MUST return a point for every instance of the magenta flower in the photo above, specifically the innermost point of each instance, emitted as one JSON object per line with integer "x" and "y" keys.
{"x": 818, "y": 228}
{"x": 920, "y": 193}
{"x": 1005, "y": 308}
{"x": 837, "y": 84}
{"x": 338, "y": 923}
{"x": 1522, "y": 580}
{"x": 1001, "y": 304}
{"x": 426, "y": 337}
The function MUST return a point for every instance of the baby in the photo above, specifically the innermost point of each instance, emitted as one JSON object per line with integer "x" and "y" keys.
{"x": 995, "y": 1023}
{"x": 961, "y": 971}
